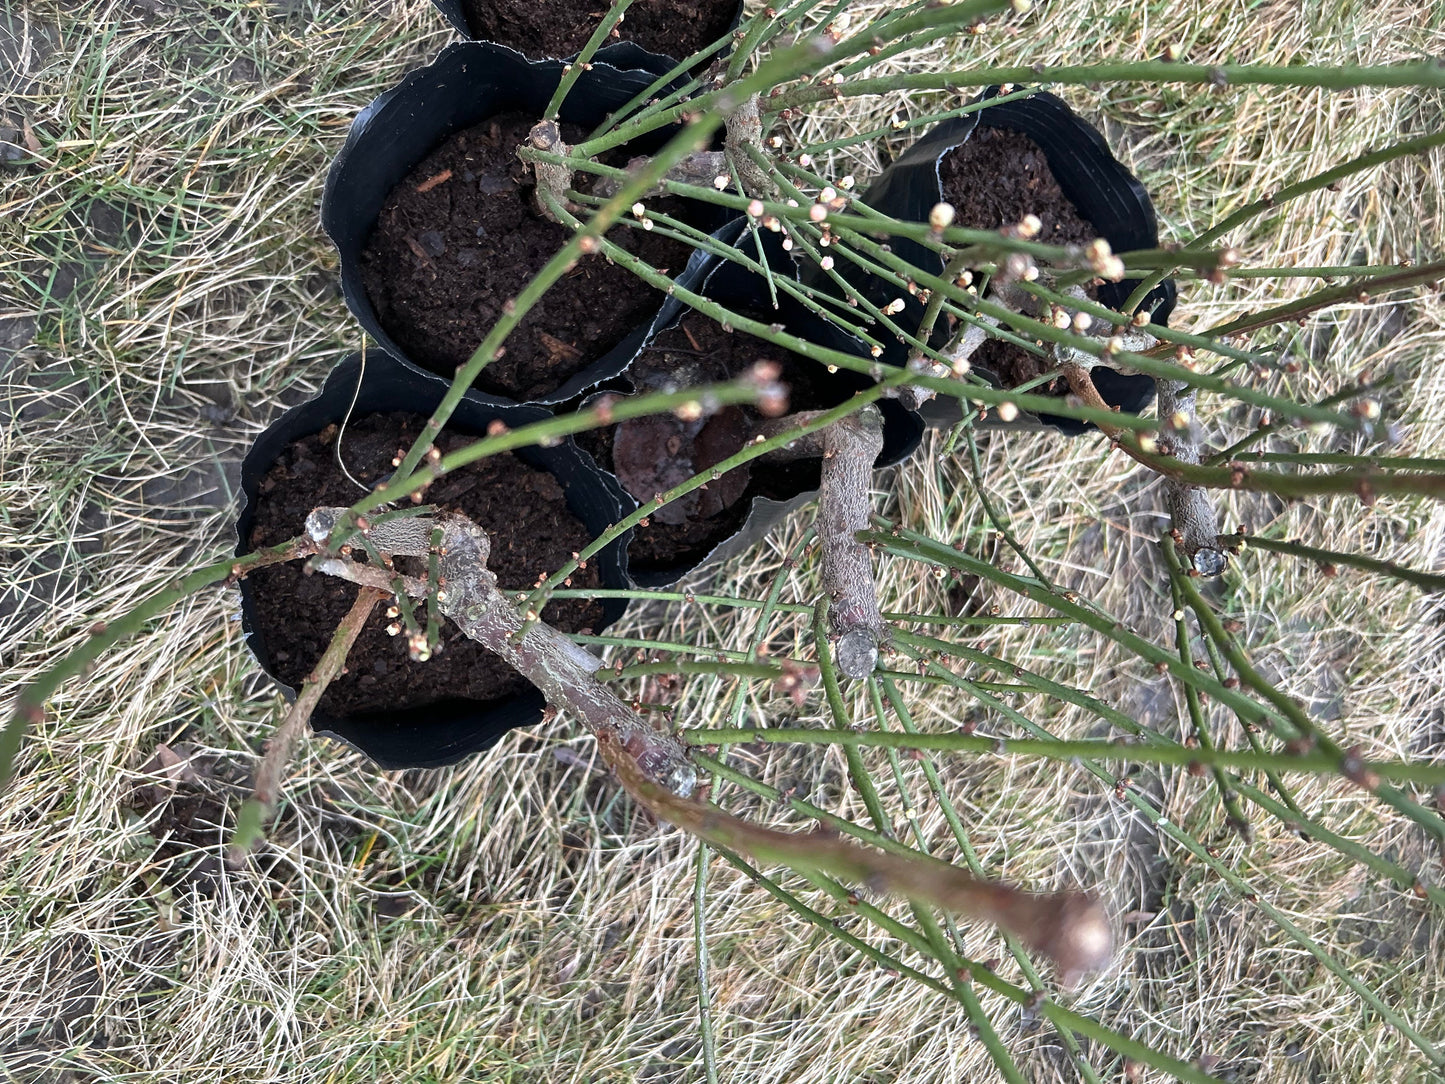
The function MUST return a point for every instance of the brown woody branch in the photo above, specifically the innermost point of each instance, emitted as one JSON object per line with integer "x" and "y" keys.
{"x": 261, "y": 807}
{"x": 848, "y": 449}
{"x": 702, "y": 168}
{"x": 655, "y": 768}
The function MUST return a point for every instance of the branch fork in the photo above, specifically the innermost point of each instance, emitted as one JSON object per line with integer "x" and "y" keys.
{"x": 655, "y": 766}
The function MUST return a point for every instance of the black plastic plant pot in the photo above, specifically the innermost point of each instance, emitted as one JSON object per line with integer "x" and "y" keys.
{"x": 538, "y": 505}
{"x": 432, "y": 216}
{"x": 649, "y": 455}
{"x": 1101, "y": 190}
{"x": 656, "y": 34}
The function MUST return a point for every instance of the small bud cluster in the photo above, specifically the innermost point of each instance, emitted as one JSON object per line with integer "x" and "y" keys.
{"x": 1102, "y": 260}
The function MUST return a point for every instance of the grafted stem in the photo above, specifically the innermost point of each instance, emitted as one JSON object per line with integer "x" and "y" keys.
{"x": 849, "y": 447}
{"x": 655, "y": 767}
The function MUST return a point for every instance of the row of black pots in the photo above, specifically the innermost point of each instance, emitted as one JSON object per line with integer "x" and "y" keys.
{"x": 472, "y": 81}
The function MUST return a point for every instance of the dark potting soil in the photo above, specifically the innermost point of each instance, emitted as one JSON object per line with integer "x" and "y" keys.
{"x": 651, "y": 455}
{"x": 559, "y": 28}
{"x": 993, "y": 180}
{"x": 522, "y": 509}
{"x": 457, "y": 240}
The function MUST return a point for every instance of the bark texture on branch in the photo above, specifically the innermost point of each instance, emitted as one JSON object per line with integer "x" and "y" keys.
{"x": 1071, "y": 928}
{"x": 848, "y": 448}
{"x": 561, "y": 669}
{"x": 1190, "y": 506}
{"x": 553, "y": 178}
{"x": 1191, "y": 509}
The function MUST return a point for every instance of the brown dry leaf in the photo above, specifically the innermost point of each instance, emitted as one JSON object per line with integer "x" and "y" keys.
{"x": 557, "y": 348}
{"x": 27, "y": 133}
{"x": 165, "y": 771}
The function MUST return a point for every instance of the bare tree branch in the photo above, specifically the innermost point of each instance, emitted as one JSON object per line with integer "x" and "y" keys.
{"x": 654, "y": 765}
{"x": 848, "y": 448}
{"x": 254, "y": 816}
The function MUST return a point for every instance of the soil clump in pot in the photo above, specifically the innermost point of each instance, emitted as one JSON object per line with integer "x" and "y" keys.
{"x": 458, "y": 239}
{"x": 522, "y": 509}
{"x": 994, "y": 180}
{"x": 651, "y": 455}
{"x": 559, "y": 28}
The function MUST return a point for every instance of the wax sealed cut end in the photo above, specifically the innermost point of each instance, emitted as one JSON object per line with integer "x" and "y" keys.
{"x": 1073, "y": 930}
{"x": 1210, "y": 562}
{"x": 321, "y": 522}
{"x": 856, "y": 653}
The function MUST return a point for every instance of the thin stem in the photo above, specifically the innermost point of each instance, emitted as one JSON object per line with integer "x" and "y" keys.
{"x": 30, "y": 705}
{"x": 1289, "y": 192}
{"x": 1426, "y": 74}
{"x": 1300, "y": 723}
{"x": 571, "y": 72}
{"x": 257, "y": 811}
{"x": 1057, "y": 749}
{"x": 704, "y": 964}
{"x": 1428, "y": 581}
{"x": 1228, "y": 798}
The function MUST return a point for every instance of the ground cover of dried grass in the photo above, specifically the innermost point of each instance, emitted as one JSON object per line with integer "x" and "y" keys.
{"x": 166, "y": 291}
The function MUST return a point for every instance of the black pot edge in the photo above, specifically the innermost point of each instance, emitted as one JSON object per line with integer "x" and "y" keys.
{"x": 481, "y": 727}
{"x": 1131, "y": 393}
{"x": 903, "y": 429}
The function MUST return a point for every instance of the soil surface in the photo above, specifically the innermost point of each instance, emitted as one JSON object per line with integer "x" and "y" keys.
{"x": 559, "y": 28}
{"x": 992, "y": 181}
{"x": 522, "y": 509}
{"x": 458, "y": 239}
{"x": 651, "y": 455}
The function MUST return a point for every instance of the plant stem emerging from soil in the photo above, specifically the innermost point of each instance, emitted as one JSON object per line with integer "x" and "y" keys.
{"x": 848, "y": 449}
{"x": 654, "y": 766}
{"x": 561, "y": 669}
{"x": 257, "y": 812}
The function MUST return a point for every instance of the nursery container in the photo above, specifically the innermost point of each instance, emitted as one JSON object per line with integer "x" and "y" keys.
{"x": 429, "y": 253}
{"x": 754, "y": 503}
{"x": 435, "y": 713}
{"x": 1097, "y": 185}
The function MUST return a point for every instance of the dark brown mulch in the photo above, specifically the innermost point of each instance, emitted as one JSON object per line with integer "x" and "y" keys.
{"x": 992, "y": 181}
{"x": 522, "y": 509}
{"x": 458, "y": 239}
{"x": 652, "y": 455}
{"x": 559, "y": 28}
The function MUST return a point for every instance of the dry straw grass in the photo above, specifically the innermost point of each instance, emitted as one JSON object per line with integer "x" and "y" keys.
{"x": 166, "y": 283}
